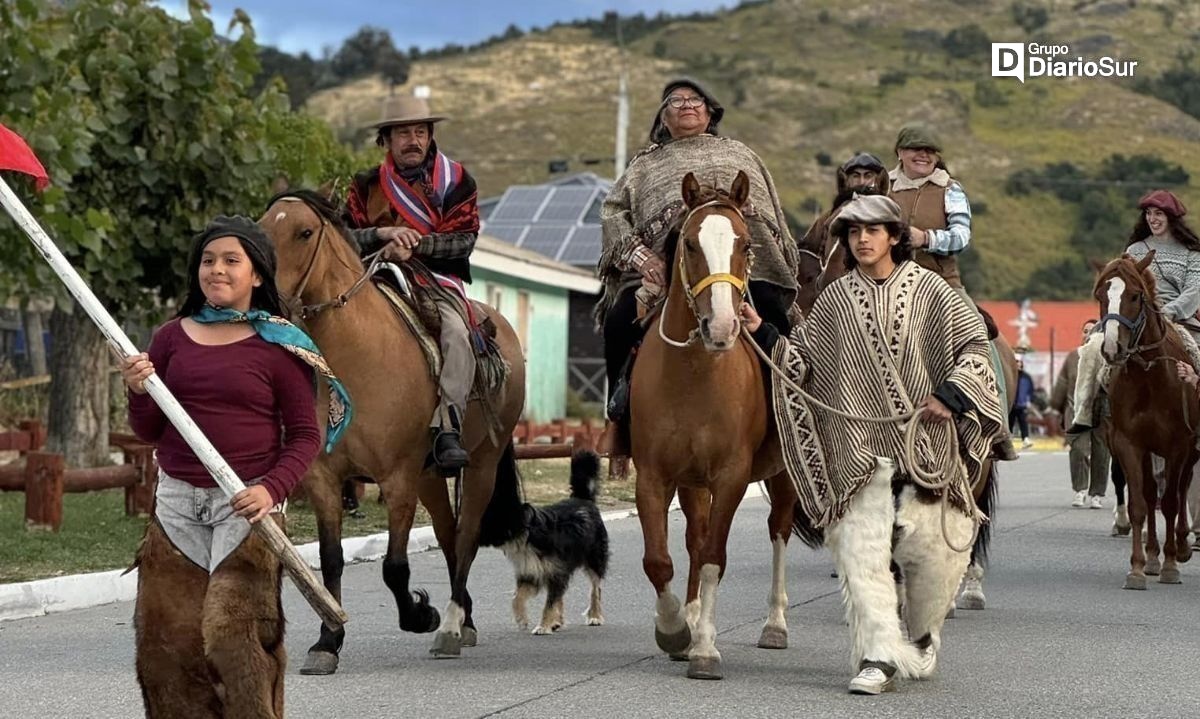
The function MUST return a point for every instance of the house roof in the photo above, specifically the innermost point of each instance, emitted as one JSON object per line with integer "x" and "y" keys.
{"x": 501, "y": 257}
{"x": 1057, "y": 322}
{"x": 559, "y": 219}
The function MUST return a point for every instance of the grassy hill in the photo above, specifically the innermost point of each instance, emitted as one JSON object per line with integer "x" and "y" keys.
{"x": 805, "y": 79}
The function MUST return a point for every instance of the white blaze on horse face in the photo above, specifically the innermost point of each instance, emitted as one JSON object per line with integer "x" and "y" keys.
{"x": 717, "y": 239}
{"x": 1116, "y": 288}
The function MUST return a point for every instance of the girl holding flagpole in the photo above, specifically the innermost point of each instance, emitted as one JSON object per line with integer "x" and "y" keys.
{"x": 209, "y": 619}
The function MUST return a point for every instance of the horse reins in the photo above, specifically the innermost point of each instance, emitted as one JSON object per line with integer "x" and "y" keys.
{"x": 692, "y": 291}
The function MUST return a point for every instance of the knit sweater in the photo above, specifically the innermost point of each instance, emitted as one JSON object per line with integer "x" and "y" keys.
{"x": 1177, "y": 273}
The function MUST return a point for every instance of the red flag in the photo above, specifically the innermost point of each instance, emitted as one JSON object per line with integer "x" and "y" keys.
{"x": 16, "y": 155}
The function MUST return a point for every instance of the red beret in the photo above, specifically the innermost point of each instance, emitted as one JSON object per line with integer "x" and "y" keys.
{"x": 1165, "y": 201}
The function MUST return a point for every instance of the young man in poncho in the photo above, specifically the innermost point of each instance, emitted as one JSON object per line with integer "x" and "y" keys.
{"x": 889, "y": 339}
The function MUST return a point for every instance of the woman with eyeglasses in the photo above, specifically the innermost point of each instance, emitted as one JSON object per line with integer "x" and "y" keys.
{"x": 645, "y": 204}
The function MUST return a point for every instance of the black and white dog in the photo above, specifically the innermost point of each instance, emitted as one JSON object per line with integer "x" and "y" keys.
{"x": 557, "y": 540}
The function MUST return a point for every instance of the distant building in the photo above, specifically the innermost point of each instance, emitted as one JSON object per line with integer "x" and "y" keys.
{"x": 561, "y": 221}
{"x": 1050, "y": 330}
{"x": 533, "y": 293}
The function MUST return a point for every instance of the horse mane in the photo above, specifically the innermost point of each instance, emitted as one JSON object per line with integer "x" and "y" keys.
{"x": 325, "y": 208}
{"x": 1126, "y": 267}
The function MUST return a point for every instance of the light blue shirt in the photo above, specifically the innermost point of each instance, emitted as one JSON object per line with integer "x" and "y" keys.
{"x": 957, "y": 235}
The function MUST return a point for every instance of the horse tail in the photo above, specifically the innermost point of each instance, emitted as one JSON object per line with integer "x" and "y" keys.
{"x": 802, "y": 526}
{"x": 987, "y": 504}
{"x": 504, "y": 518}
{"x": 585, "y": 475}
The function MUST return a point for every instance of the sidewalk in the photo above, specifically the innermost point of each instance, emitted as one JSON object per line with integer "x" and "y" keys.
{"x": 23, "y": 600}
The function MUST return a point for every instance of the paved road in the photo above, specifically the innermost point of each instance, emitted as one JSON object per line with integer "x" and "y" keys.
{"x": 1059, "y": 638}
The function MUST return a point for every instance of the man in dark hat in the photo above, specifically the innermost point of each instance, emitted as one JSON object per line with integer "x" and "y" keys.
{"x": 420, "y": 203}
{"x": 862, "y": 174}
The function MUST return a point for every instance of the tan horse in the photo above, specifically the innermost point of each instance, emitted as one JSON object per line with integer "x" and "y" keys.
{"x": 700, "y": 424}
{"x": 394, "y": 395}
{"x": 1142, "y": 348}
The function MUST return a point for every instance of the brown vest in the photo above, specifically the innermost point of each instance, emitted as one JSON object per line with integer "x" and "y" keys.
{"x": 925, "y": 209}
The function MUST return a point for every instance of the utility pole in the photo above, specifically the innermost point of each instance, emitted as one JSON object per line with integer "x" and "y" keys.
{"x": 622, "y": 108}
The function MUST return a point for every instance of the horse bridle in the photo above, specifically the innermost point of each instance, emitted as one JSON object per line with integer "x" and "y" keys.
{"x": 692, "y": 291}
{"x": 1135, "y": 326}
{"x": 310, "y": 311}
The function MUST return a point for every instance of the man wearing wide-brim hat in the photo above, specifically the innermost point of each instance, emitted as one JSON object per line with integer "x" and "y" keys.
{"x": 420, "y": 203}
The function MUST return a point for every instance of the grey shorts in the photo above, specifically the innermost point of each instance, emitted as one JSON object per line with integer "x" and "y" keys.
{"x": 200, "y": 521}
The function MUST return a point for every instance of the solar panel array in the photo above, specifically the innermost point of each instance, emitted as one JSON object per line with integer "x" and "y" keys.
{"x": 560, "y": 221}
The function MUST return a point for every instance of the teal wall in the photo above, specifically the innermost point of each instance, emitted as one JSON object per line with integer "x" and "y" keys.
{"x": 546, "y": 344}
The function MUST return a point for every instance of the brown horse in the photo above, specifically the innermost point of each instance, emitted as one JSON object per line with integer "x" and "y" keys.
{"x": 822, "y": 265}
{"x": 700, "y": 424}
{"x": 382, "y": 365}
{"x": 1141, "y": 346}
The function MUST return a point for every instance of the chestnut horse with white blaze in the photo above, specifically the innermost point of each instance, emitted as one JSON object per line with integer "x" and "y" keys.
{"x": 700, "y": 425}
{"x": 385, "y": 371}
{"x": 1142, "y": 348}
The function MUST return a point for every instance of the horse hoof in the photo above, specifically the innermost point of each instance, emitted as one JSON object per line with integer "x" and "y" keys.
{"x": 972, "y": 600}
{"x": 679, "y": 657}
{"x": 676, "y": 643}
{"x": 773, "y": 638}
{"x": 1184, "y": 554}
{"x": 1134, "y": 581}
{"x": 470, "y": 637}
{"x": 1153, "y": 567}
{"x": 704, "y": 668}
{"x": 446, "y": 646}
{"x": 1170, "y": 576}
{"x": 320, "y": 664}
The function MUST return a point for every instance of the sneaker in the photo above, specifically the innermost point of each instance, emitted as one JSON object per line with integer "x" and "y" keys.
{"x": 1080, "y": 499}
{"x": 1026, "y": 443}
{"x": 1097, "y": 502}
{"x": 871, "y": 681}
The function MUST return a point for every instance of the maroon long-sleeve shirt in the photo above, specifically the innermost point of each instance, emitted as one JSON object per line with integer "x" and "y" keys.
{"x": 247, "y": 397}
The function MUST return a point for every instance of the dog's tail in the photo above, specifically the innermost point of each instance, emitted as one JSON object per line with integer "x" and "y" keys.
{"x": 585, "y": 475}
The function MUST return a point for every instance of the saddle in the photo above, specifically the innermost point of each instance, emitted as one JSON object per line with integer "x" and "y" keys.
{"x": 413, "y": 295}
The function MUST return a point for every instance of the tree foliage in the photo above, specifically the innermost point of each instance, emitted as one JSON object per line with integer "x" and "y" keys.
{"x": 146, "y": 129}
{"x": 1105, "y": 202}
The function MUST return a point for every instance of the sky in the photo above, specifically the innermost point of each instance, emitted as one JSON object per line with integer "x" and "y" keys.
{"x": 299, "y": 25}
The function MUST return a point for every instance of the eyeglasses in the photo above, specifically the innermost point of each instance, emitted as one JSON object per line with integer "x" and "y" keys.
{"x": 678, "y": 103}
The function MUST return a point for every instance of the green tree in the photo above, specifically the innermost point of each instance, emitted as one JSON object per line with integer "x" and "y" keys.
{"x": 147, "y": 130}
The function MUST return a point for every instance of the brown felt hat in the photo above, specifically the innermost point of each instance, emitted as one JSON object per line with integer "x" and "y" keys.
{"x": 405, "y": 110}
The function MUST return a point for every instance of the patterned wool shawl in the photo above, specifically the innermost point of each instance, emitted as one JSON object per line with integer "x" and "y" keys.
{"x": 444, "y": 200}
{"x": 876, "y": 350}
{"x": 646, "y": 202}
{"x": 278, "y": 331}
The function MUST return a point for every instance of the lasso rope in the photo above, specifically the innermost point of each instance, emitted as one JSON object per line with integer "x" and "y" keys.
{"x": 938, "y": 480}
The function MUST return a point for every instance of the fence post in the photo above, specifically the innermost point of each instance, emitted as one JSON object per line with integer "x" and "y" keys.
{"x": 139, "y": 497}
{"x": 36, "y": 432}
{"x": 44, "y": 490}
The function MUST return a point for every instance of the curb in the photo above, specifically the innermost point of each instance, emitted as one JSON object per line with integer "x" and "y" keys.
{"x": 25, "y": 600}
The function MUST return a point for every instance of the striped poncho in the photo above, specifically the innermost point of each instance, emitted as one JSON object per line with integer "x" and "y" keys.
{"x": 877, "y": 350}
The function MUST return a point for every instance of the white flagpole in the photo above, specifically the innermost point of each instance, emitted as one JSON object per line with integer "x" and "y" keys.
{"x": 317, "y": 595}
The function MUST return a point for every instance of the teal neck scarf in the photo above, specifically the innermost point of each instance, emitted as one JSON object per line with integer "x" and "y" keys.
{"x": 279, "y": 331}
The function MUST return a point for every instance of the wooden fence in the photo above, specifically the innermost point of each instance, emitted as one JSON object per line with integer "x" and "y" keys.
{"x": 44, "y": 477}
